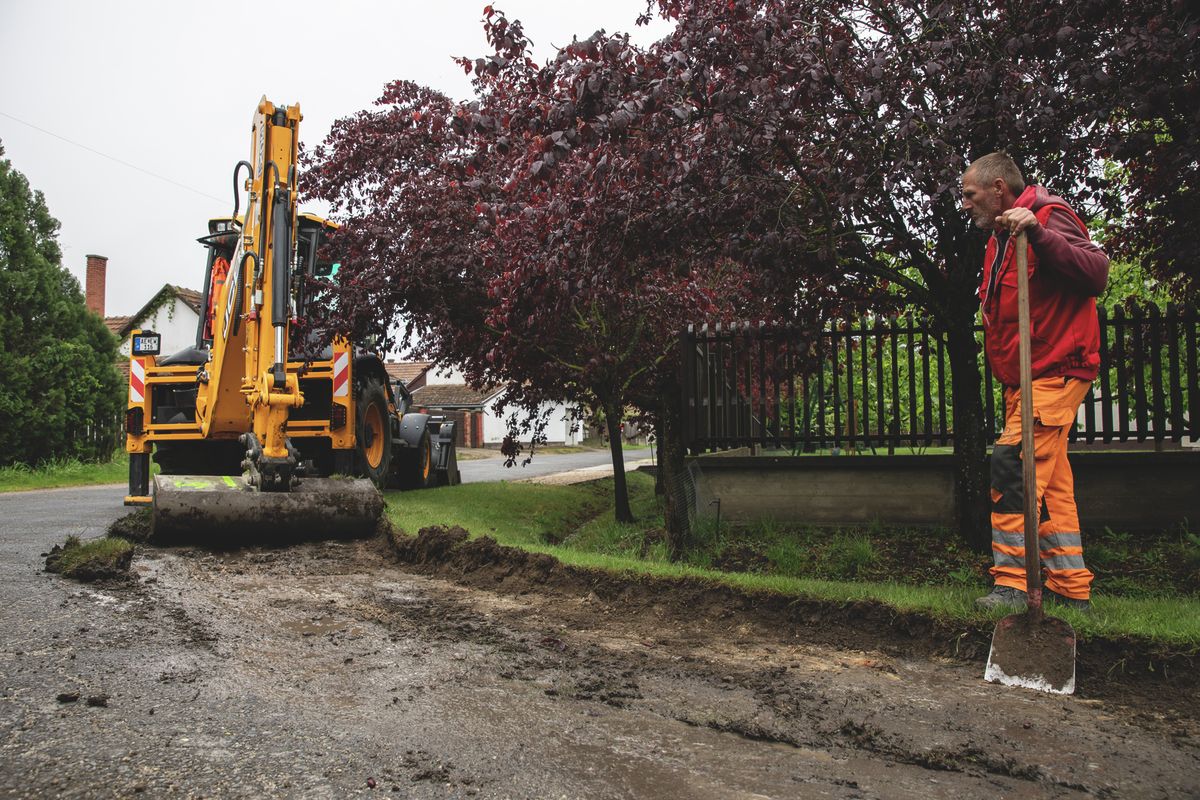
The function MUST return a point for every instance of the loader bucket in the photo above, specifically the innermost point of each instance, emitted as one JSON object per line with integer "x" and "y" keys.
{"x": 227, "y": 510}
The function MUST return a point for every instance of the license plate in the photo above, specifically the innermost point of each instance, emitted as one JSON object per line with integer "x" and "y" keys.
{"x": 146, "y": 344}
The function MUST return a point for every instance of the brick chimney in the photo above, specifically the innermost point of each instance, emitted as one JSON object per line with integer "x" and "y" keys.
{"x": 94, "y": 287}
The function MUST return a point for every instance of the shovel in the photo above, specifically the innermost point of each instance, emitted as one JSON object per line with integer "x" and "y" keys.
{"x": 1031, "y": 649}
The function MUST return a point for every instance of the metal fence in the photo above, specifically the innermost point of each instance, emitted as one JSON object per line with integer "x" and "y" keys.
{"x": 885, "y": 383}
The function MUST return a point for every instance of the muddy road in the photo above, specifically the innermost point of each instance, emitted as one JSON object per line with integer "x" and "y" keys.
{"x": 328, "y": 670}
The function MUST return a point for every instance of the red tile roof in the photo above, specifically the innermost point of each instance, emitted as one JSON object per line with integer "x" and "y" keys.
{"x": 115, "y": 324}
{"x": 453, "y": 396}
{"x": 189, "y": 296}
{"x": 405, "y": 371}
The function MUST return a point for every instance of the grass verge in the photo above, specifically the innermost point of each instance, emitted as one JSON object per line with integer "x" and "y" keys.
{"x": 575, "y": 525}
{"x": 64, "y": 472}
{"x": 95, "y": 559}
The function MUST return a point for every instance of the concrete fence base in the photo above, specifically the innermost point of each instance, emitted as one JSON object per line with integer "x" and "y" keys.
{"x": 1123, "y": 491}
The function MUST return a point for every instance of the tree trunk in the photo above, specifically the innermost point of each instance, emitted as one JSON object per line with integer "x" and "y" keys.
{"x": 972, "y": 432}
{"x": 659, "y": 487}
{"x": 672, "y": 467}
{"x": 612, "y": 418}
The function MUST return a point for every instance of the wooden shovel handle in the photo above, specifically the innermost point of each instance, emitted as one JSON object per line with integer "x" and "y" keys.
{"x": 1033, "y": 574}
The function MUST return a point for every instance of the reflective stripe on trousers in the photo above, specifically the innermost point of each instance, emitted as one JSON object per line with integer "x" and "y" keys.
{"x": 1055, "y": 402}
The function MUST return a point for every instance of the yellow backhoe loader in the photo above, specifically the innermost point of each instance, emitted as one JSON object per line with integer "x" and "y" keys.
{"x": 249, "y": 440}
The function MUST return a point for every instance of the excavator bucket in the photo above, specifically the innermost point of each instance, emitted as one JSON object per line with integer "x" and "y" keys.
{"x": 207, "y": 508}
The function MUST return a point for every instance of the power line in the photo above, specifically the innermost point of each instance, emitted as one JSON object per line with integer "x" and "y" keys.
{"x": 114, "y": 158}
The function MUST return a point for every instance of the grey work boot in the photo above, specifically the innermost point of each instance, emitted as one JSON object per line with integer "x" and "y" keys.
{"x": 1002, "y": 597}
{"x": 1053, "y": 597}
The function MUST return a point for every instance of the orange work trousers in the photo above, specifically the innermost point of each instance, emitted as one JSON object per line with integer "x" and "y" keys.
{"x": 1055, "y": 403}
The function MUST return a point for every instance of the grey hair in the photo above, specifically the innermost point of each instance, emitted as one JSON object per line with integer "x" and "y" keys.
{"x": 998, "y": 165}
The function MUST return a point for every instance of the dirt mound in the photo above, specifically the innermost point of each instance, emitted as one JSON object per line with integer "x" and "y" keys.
{"x": 134, "y": 526}
{"x": 484, "y": 560}
{"x": 107, "y": 558}
{"x": 1136, "y": 672}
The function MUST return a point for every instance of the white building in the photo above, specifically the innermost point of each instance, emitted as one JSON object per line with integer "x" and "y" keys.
{"x": 442, "y": 390}
{"x": 173, "y": 312}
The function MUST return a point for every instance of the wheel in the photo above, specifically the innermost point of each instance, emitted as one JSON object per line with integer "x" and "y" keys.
{"x": 413, "y": 468}
{"x": 372, "y": 434}
{"x": 170, "y": 461}
{"x": 198, "y": 457}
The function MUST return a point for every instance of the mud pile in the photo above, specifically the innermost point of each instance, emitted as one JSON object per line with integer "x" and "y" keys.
{"x": 134, "y": 526}
{"x": 1127, "y": 670}
{"x": 107, "y": 558}
{"x": 484, "y": 562}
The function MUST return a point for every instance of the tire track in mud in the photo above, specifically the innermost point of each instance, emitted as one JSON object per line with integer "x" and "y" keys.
{"x": 1121, "y": 671}
{"x": 800, "y": 714}
{"x": 590, "y": 675}
{"x": 316, "y": 666}
{"x": 589, "y": 672}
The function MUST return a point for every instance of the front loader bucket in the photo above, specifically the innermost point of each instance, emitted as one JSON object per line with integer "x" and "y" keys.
{"x": 226, "y": 509}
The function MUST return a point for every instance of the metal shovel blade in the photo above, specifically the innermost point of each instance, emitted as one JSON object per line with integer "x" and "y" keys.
{"x": 1035, "y": 654}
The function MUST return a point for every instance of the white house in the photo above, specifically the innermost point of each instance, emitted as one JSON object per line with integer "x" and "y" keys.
{"x": 438, "y": 389}
{"x": 173, "y": 312}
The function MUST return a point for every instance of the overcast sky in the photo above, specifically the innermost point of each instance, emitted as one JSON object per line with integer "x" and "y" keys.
{"x": 169, "y": 88}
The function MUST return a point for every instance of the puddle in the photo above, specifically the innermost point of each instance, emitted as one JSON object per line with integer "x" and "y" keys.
{"x": 318, "y": 626}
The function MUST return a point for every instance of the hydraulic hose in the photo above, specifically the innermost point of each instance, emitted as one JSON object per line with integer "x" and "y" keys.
{"x": 237, "y": 197}
{"x": 236, "y": 286}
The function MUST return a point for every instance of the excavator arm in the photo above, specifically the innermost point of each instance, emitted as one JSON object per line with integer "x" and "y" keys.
{"x": 245, "y": 390}
{"x": 260, "y": 285}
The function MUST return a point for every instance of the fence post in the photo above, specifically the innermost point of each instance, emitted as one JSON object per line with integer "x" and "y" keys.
{"x": 1176, "y": 385}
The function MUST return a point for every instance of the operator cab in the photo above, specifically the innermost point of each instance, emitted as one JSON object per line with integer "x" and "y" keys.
{"x": 312, "y": 232}
{"x": 219, "y": 245}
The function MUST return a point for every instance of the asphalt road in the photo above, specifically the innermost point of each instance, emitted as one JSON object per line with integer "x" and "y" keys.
{"x": 327, "y": 670}
{"x": 493, "y": 469}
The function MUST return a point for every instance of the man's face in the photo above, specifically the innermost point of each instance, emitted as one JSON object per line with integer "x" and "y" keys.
{"x": 980, "y": 201}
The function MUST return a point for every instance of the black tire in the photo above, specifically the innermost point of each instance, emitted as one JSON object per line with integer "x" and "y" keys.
{"x": 201, "y": 457}
{"x": 343, "y": 463}
{"x": 372, "y": 433}
{"x": 413, "y": 466}
{"x": 169, "y": 459}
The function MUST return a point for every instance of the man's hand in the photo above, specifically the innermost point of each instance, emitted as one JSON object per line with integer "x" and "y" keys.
{"x": 1017, "y": 219}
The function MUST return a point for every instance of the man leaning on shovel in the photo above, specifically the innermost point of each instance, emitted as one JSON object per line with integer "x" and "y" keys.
{"x": 1066, "y": 274}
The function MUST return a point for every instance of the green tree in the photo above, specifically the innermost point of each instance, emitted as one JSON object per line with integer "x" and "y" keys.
{"x": 59, "y": 391}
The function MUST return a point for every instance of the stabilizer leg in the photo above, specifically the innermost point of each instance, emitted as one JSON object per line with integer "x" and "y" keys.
{"x": 139, "y": 480}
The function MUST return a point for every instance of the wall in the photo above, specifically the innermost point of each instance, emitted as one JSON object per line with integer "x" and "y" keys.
{"x": 1124, "y": 491}
{"x": 175, "y": 321}
{"x": 558, "y": 431}
{"x": 494, "y": 425}
{"x": 443, "y": 376}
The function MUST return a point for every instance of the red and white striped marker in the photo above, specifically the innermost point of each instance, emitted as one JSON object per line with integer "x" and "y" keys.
{"x": 341, "y": 374}
{"x": 137, "y": 380}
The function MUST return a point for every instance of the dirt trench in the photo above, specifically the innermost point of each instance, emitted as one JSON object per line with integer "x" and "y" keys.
{"x": 329, "y": 670}
{"x": 1125, "y": 672}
